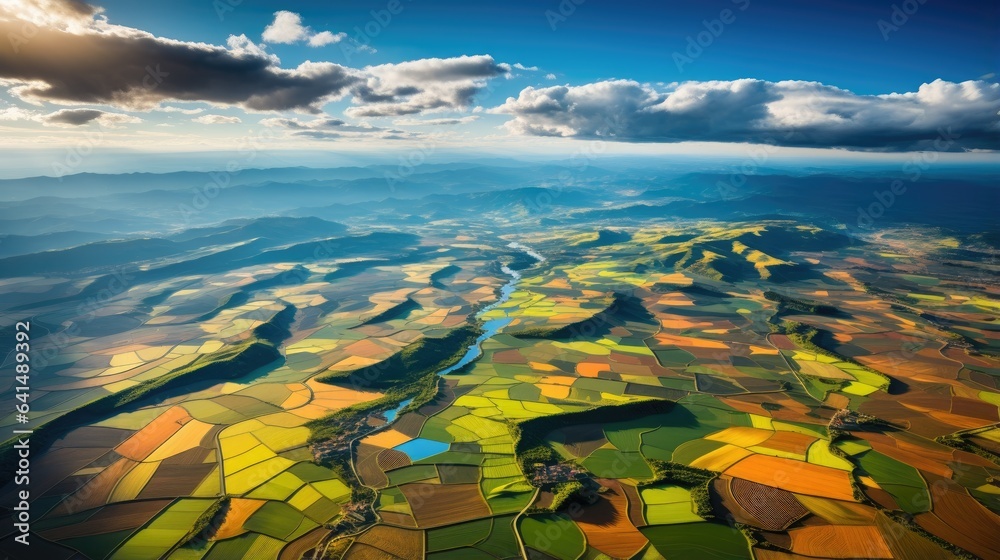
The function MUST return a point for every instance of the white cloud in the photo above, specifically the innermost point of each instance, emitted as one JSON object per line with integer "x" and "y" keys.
{"x": 435, "y": 122}
{"x": 324, "y": 38}
{"x": 520, "y": 66}
{"x": 787, "y": 113}
{"x": 550, "y": 76}
{"x": 426, "y": 85}
{"x": 171, "y": 109}
{"x": 287, "y": 29}
{"x": 359, "y": 47}
{"x": 114, "y": 120}
{"x": 216, "y": 119}
{"x": 17, "y": 114}
{"x": 68, "y": 15}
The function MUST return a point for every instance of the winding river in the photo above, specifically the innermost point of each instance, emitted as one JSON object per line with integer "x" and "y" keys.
{"x": 490, "y": 328}
{"x": 494, "y": 326}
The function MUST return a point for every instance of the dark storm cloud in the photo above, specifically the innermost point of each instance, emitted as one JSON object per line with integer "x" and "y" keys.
{"x": 133, "y": 69}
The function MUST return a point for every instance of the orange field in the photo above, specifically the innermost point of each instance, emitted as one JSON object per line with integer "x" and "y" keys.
{"x": 838, "y": 512}
{"x": 386, "y": 438}
{"x": 239, "y": 510}
{"x": 794, "y": 476}
{"x": 791, "y": 442}
{"x": 840, "y": 541}
{"x": 954, "y": 513}
{"x": 606, "y": 523}
{"x": 154, "y": 434}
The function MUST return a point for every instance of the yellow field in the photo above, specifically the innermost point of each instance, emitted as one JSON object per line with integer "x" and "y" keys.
{"x": 256, "y": 455}
{"x": 279, "y": 439}
{"x": 133, "y": 482}
{"x": 304, "y": 498}
{"x": 741, "y": 436}
{"x": 248, "y": 479}
{"x": 721, "y": 458}
{"x": 237, "y": 445}
{"x": 187, "y": 437}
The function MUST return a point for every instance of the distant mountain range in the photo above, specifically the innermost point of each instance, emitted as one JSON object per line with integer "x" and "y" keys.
{"x": 157, "y": 215}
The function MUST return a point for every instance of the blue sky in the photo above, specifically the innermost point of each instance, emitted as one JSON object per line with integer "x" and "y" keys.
{"x": 804, "y": 75}
{"x": 834, "y": 42}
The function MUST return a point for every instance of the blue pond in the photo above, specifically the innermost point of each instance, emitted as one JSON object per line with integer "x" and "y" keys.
{"x": 422, "y": 448}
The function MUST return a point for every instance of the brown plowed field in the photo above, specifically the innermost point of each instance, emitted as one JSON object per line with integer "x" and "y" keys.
{"x": 776, "y": 509}
{"x": 399, "y": 542}
{"x": 434, "y": 505}
{"x": 116, "y": 517}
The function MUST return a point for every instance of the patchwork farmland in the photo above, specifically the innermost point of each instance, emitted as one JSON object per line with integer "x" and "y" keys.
{"x": 671, "y": 392}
